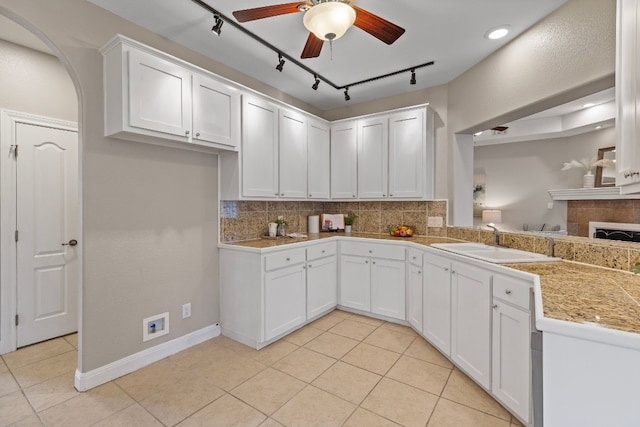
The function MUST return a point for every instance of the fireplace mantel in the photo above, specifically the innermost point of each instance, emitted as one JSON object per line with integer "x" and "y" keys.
{"x": 597, "y": 193}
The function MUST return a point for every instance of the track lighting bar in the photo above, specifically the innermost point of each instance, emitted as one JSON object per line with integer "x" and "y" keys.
{"x": 221, "y": 19}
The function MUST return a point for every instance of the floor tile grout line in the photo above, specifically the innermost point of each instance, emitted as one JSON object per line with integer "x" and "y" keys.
{"x": 136, "y": 402}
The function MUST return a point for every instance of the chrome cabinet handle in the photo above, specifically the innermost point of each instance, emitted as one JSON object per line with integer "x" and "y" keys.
{"x": 186, "y": 132}
{"x": 198, "y": 135}
{"x": 495, "y": 306}
{"x": 366, "y": 262}
{"x": 446, "y": 269}
{"x": 72, "y": 242}
{"x": 507, "y": 291}
{"x": 288, "y": 259}
{"x": 419, "y": 272}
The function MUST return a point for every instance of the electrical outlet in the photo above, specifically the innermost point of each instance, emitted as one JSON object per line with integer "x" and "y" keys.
{"x": 434, "y": 221}
{"x": 186, "y": 310}
{"x": 550, "y": 205}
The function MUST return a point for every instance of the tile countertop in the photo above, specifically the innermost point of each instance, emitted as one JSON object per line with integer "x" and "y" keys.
{"x": 581, "y": 293}
{"x": 571, "y": 291}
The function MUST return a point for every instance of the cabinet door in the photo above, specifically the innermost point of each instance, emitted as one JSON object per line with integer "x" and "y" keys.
{"x": 407, "y": 154}
{"x": 159, "y": 95}
{"x": 511, "y": 355}
{"x": 355, "y": 279}
{"x": 259, "y": 148}
{"x": 471, "y": 321}
{"x": 344, "y": 161}
{"x": 437, "y": 302}
{"x": 414, "y": 297}
{"x": 318, "y": 161}
{"x": 293, "y": 155}
{"x": 284, "y": 300}
{"x": 627, "y": 94}
{"x": 388, "y": 288}
{"x": 322, "y": 286}
{"x": 373, "y": 146}
{"x": 216, "y": 112}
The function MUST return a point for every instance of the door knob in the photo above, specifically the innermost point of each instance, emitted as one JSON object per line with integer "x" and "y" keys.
{"x": 72, "y": 242}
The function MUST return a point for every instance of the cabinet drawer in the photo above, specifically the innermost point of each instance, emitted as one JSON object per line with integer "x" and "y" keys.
{"x": 415, "y": 257}
{"x": 373, "y": 250}
{"x": 512, "y": 290}
{"x": 284, "y": 258}
{"x": 321, "y": 250}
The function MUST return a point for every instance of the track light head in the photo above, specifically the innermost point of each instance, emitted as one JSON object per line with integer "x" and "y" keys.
{"x": 316, "y": 83}
{"x": 346, "y": 94}
{"x": 413, "y": 76}
{"x": 217, "y": 26}
{"x": 280, "y": 65}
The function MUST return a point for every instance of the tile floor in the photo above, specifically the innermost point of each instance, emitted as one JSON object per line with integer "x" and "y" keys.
{"x": 342, "y": 369}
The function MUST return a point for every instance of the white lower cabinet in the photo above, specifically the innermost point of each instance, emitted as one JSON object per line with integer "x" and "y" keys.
{"x": 355, "y": 279}
{"x": 511, "y": 352}
{"x": 388, "y": 288}
{"x": 265, "y": 296}
{"x": 471, "y": 321}
{"x": 372, "y": 278}
{"x": 284, "y": 300}
{"x": 437, "y": 302}
{"x": 414, "y": 297}
{"x": 322, "y": 285}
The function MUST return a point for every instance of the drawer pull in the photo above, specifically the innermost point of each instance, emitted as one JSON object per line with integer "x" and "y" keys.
{"x": 310, "y": 265}
{"x": 366, "y": 262}
{"x": 414, "y": 257}
{"x": 323, "y": 251}
{"x": 370, "y": 251}
{"x": 507, "y": 291}
{"x": 186, "y": 132}
{"x": 373, "y": 262}
{"x": 495, "y": 306}
{"x": 446, "y": 269}
{"x": 419, "y": 272}
{"x": 288, "y": 259}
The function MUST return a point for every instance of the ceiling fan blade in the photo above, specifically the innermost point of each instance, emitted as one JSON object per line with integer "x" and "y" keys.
{"x": 379, "y": 28}
{"x": 312, "y": 48}
{"x": 267, "y": 11}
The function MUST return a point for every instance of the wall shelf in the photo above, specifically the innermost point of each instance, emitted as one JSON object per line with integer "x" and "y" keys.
{"x": 597, "y": 193}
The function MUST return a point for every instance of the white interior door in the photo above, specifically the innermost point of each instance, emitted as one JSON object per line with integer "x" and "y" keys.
{"x": 47, "y": 221}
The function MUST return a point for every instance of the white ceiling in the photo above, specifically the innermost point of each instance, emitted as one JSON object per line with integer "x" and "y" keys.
{"x": 451, "y": 33}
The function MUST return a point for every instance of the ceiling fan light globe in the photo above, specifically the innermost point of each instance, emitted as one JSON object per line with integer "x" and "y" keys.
{"x": 329, "y": 20}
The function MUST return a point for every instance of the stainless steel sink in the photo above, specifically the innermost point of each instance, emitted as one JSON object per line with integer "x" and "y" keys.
{"x": 495, "y": 254}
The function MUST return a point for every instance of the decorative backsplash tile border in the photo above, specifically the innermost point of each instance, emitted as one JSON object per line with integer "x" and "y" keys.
{"x": 246, "y": 220}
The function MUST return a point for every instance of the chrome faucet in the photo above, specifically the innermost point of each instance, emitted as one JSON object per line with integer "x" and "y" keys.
{"x": 496, "y": 233}
{"x": 552, "y": 247}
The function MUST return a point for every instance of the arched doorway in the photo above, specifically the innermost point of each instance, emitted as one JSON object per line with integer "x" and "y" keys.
{"x": 40, "y": 92}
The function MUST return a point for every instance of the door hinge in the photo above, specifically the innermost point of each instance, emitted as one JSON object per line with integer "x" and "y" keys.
{"x": 16, "y": 235}
{"x": 14, "y": 149}
{"x": 17, "y": 320}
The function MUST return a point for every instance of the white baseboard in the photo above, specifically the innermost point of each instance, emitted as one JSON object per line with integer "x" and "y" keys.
{"x": 88, "y": 380}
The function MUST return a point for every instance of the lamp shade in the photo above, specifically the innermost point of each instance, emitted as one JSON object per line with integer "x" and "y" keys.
{"x": 329, "y": 20}
{"x": 492, "y": 215}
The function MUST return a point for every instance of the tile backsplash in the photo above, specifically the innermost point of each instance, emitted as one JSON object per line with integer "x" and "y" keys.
{"x": 245, "y": 220}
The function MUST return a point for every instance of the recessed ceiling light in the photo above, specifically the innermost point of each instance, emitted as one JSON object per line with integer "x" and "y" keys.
{"x": 588, "y": 104}
{"x": 498, "y": 32}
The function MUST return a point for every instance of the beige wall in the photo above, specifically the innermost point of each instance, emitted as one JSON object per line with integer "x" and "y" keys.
{"x": 34, "y": 82}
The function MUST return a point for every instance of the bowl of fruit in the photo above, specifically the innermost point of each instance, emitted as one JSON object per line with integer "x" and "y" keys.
{"x": 401, "y": 231}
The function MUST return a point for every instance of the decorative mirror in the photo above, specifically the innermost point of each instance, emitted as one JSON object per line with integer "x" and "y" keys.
{"x": 606, "y": 177}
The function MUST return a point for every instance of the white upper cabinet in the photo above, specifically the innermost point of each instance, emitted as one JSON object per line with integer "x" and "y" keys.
{"x": 409, "y": 155}
{"x": 216, "y": 109}
{"x": 318, "y": 160}
{"x": 153, "y": 97}
{"x": 259, "y": 148}
{"x": 373, "y": 147}
{"x": 159, "y": 95}
{"x": 293, "y": 155}
{"x": 627, "y": 96}
{"x": 344, "y": 160}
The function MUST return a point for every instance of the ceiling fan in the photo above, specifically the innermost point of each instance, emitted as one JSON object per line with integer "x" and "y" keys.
{"x": 327, "y": 20}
